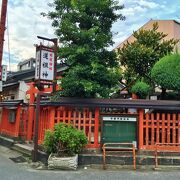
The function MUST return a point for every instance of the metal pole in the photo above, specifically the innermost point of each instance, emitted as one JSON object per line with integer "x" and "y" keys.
{"x": 38, "y": 100}
{"x": 35, "y": 152}
{"x": 55, "y": 41}
{"x": 2, "y": 28}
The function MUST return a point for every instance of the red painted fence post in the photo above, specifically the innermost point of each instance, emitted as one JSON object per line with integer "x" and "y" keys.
{"x": 141, "y": 137}
{"x": 96, "y": 128}
{"x": 31, "y": 110}
{"x": 17, "y": 125}
{"x": 52, "y": 118}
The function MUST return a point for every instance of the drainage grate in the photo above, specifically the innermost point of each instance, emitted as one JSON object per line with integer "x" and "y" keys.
{"x": 19, "y": 159}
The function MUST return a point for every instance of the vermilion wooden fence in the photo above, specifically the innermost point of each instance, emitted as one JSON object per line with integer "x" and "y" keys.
{"x": 153, "y": 128}
{"x": 84, "y": 119}
{"x": 7, "y": 127}
{"x": 23, "y": 126}
{"x": 156, "y": 128}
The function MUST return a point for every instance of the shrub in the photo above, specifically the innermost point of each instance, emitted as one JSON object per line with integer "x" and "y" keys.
{"x": 141, "y": 89}
{"x": 64, "y": 140}
{"x": 166, "y": 72}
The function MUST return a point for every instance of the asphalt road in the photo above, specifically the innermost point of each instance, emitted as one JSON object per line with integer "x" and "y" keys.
{"x": 22, "y": 171}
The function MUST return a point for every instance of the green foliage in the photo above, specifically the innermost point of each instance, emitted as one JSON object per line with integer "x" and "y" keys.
{"x": 64, "y": 140}
{"x": 166, "y": 72}
{"x": 141, "y": 89}
{"x": 172, "y": 96}
{"x": 84, "y": 31}
{"x": 141, "y": 55}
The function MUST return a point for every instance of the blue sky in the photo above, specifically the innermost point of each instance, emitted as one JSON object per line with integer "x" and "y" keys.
{"x": 25, "y": 23}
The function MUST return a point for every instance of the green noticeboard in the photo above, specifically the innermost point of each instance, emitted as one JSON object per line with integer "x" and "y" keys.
{"x": 119, "y": 129}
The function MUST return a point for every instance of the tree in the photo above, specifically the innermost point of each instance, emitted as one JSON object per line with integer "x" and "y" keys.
{"x": 84, "y": 30}
{"x": 141, "y": 55}
{"x": 166, "y": 72}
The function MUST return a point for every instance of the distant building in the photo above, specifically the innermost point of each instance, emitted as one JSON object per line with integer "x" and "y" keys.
{"x": 17, "y": 83}
{"x": 169, "y": 27}
{"x": 27, "y": 64}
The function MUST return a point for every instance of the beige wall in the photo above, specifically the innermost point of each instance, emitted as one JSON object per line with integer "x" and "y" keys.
{"x": 18, "y": 93}
{"x": 177, "y": 34}
{"x": 169, "y": 27}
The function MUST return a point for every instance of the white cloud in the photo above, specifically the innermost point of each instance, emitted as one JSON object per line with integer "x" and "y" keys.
{"x": 137, "y": 13}
{"x": 25, "y": 22}
{"x": 148, "y": 4}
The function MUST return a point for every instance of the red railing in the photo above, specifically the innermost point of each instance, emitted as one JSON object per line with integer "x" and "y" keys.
{"x": 155, "y": 128}
{"x": 83, "y": 119}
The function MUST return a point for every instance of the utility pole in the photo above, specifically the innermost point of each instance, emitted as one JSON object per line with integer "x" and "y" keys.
{"x": 2, "y": 30}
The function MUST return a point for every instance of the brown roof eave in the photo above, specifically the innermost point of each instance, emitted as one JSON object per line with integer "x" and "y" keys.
{"x": 115, "y": 103}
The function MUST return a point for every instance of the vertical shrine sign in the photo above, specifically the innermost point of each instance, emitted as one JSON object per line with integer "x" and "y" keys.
{"x": 45, "y": 59}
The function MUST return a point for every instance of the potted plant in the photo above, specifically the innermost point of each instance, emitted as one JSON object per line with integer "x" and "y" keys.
{"x": 141, "y": 89}
{"x": 63, "y": 145}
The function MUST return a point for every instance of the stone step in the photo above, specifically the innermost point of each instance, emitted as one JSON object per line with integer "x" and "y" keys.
{"x": 88, "y": 159}
{"x": 161, "y": 153}
{"x": 7, "y": 142}
{"x": 130, "y": 167}
{"x": 25, "y": 149}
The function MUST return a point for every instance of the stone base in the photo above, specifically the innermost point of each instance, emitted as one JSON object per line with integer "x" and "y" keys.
{"x": 69, "y": 163}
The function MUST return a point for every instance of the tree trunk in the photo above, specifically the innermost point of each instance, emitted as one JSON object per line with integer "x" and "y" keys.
{"x": 163, "y": 94}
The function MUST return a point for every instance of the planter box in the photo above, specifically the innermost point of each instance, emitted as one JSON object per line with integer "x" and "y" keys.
{"x": 70, "y": 163}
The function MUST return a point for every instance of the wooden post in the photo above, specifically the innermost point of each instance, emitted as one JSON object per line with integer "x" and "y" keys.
{"x": 96, "y": 128}
{"x": 141, "y": 137}
{"x": 152, "y": 129}
{"x": 163, "y": 128}
{"x": 52, "y": 118}
{"x": 156, "y": 154}
{"x": 35, "y": 152}
{"x": 157, "y": 128}
{"x": 168, "y": 128}
{"x": 31, "y": 110}
{"x": 174, "y": 129}
{"x": 134, "y": 157}
{"x": 104, "y": 157}
{"x": 16, "y": 133}
{"x": 147, "y": 129}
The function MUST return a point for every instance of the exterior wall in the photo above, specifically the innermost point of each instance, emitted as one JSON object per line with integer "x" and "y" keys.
{"x": 12, "y": 92}
{"x": 18, "y": 93}
{"x": 169, "y": 27}
{"x": 177, "y": 34}
{"x": 23, "y": 87}
{"x": 27, "y": 64}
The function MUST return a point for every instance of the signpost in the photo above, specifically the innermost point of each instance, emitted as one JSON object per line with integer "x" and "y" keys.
{"x": 3, "y": 75}
{"x": 45, "y": 73}
{"x": 4, "y": 72}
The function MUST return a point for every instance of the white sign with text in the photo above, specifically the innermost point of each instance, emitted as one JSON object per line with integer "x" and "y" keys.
{"x": 44, "y": 65}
